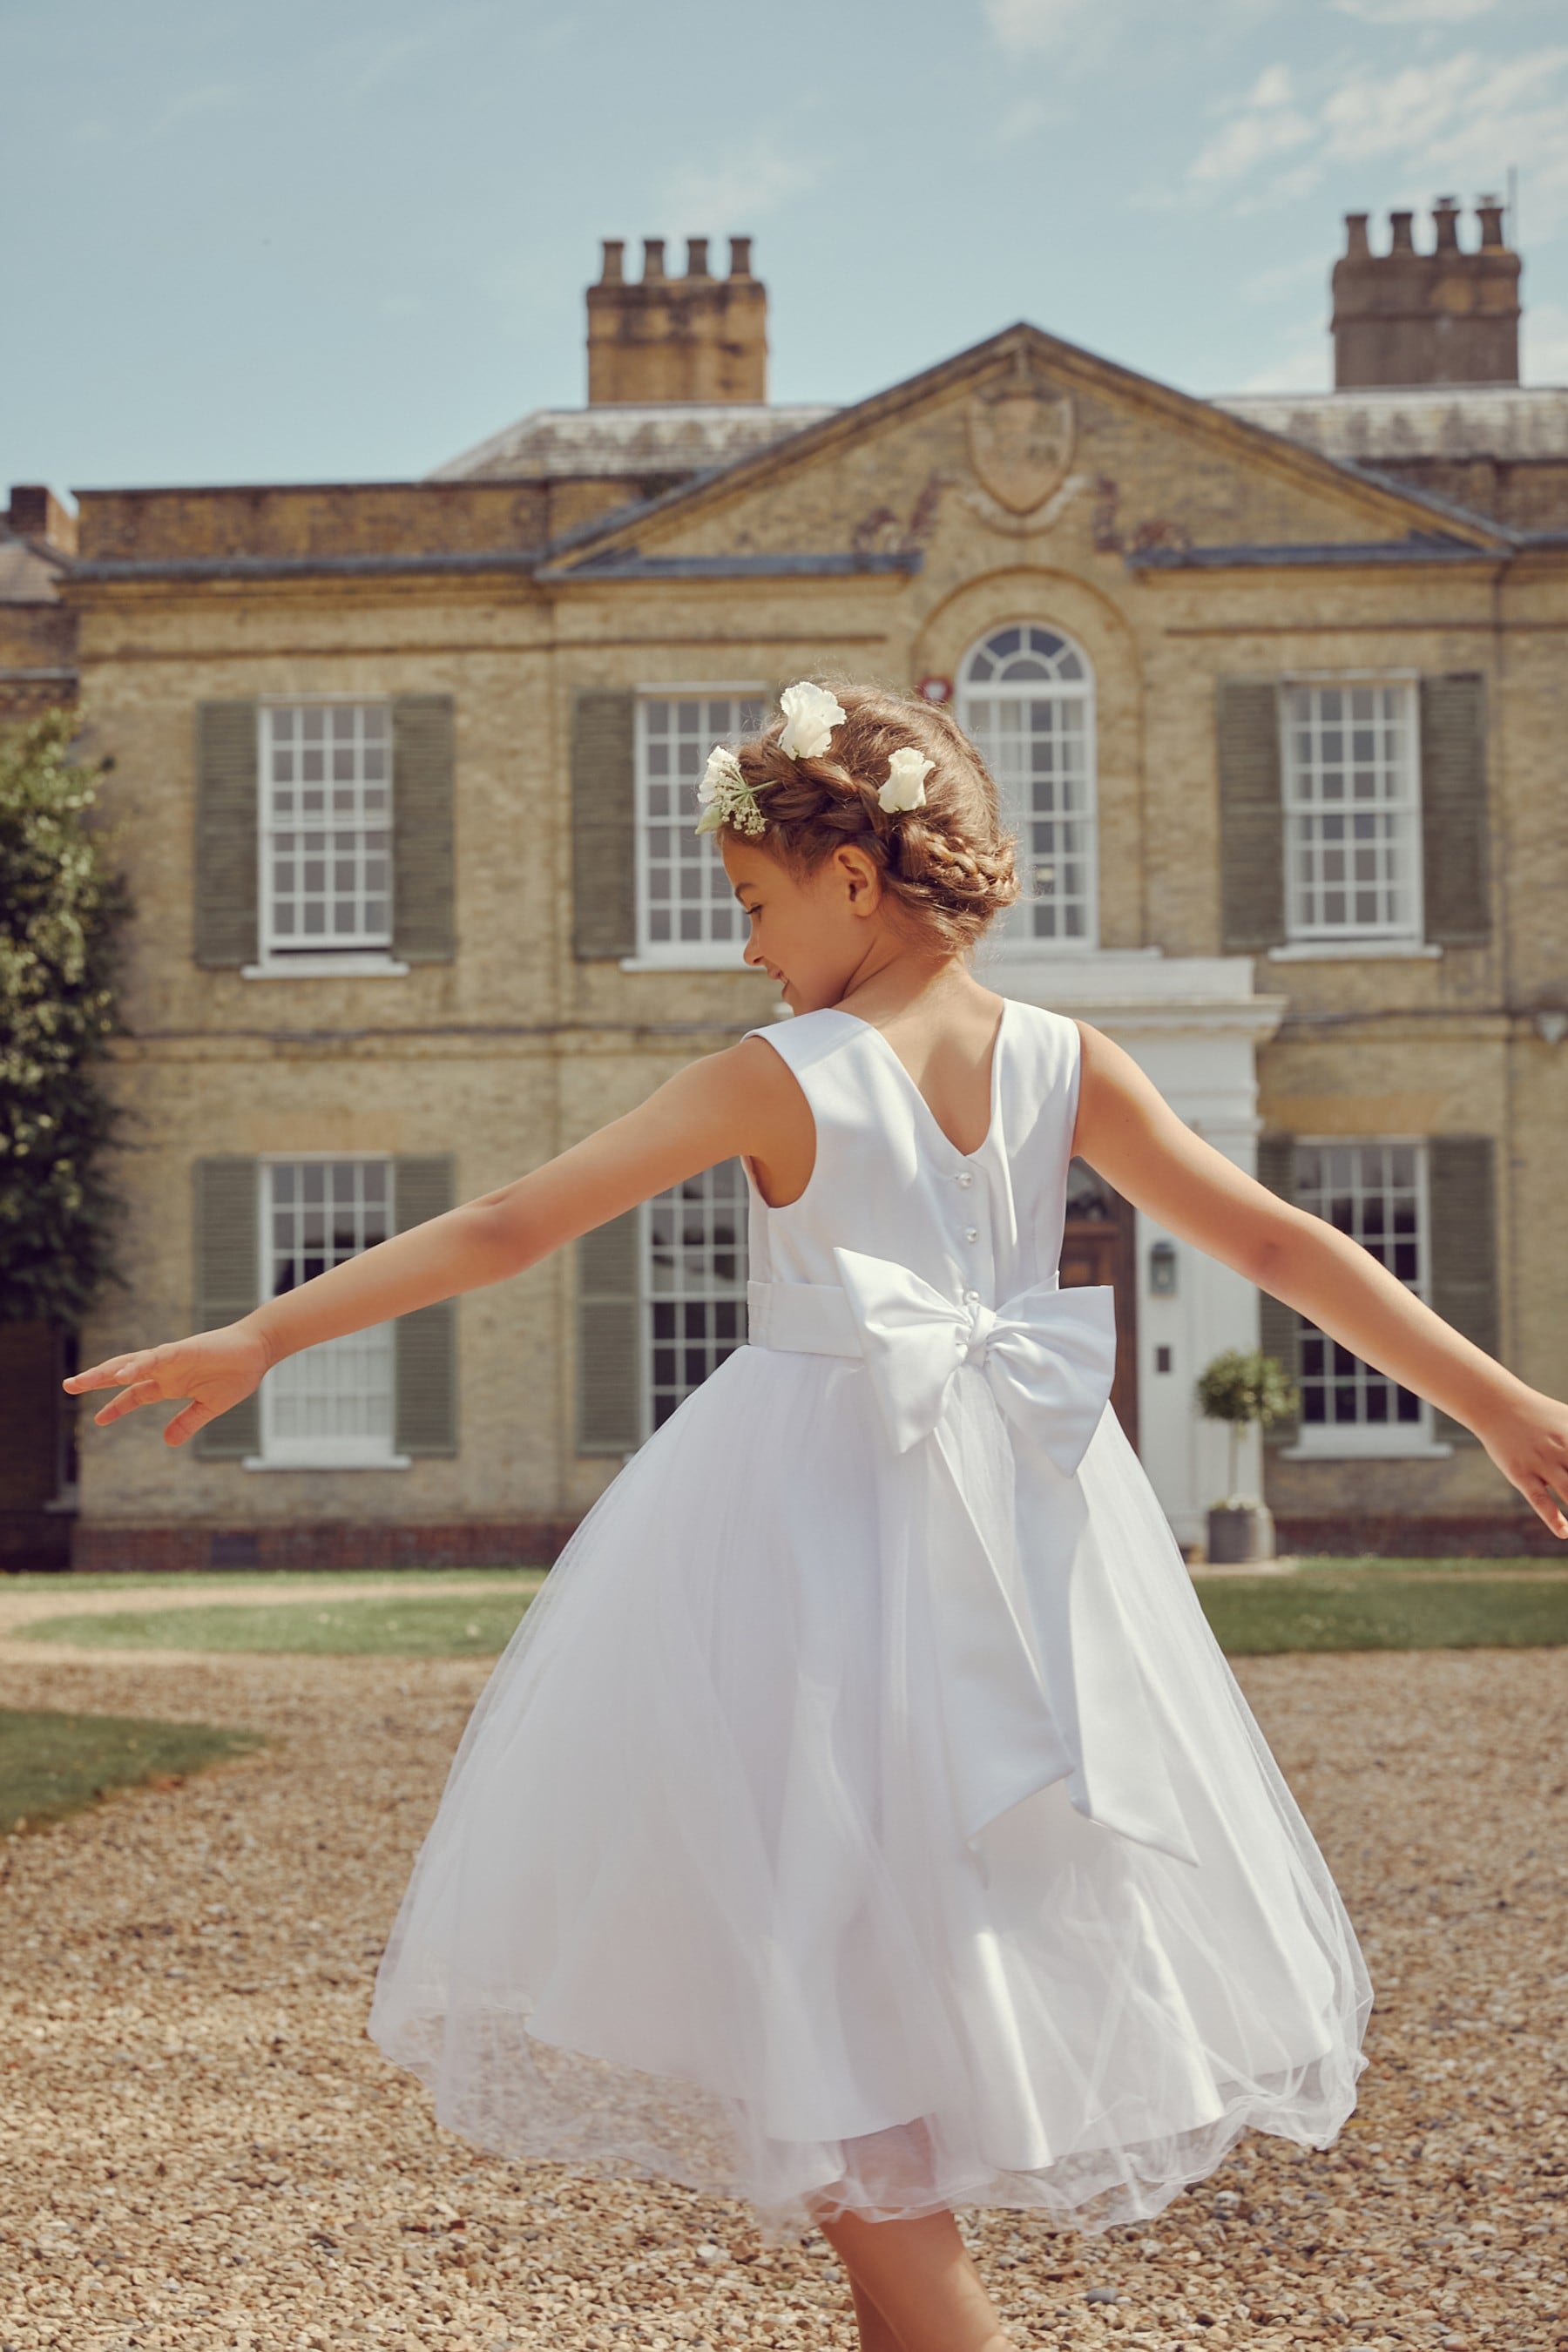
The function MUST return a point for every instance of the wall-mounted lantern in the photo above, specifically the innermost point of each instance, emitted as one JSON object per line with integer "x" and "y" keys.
{"x": 1162, "y": 1270}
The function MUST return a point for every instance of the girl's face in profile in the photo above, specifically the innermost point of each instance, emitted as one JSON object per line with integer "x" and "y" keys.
{"x": 810, "y": 932}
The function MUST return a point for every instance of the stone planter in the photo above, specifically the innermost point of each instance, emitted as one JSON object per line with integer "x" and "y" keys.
{"x": 1240, "y": 1533}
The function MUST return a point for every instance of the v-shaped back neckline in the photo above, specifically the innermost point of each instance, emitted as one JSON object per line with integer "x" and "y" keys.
{"x": 907, "y": 1076}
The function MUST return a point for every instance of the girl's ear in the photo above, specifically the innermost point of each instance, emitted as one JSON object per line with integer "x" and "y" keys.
{"x": 859, "y": 878}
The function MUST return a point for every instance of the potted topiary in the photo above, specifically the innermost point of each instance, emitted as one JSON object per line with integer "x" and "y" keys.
{"x": 1239, "y": 1388}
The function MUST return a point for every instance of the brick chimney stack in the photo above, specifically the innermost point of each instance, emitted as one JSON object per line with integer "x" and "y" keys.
{"x": 659, "y": 340}
{"x": 1445, "y": 317}
{"x": 35, "y": 513}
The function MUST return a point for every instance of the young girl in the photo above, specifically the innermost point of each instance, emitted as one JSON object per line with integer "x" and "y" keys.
{"x": 863, "y": 1820}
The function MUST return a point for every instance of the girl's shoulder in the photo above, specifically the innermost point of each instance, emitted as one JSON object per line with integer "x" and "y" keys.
{"x": 804, "y": 1038}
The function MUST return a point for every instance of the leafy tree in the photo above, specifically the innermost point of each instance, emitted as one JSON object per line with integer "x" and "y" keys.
{"x": 61, "y": 912}
{"x": 1240, "y": 1387}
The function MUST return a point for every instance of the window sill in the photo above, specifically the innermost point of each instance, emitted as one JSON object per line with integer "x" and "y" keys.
{"x": 1364, "y": 1449}
{"x": 318, "y": 1462}
{"x": 68, "y": 1500}
{"x": 683, "y": 960}
{"x": 351, "y": 965}
{"x": 1341, "y": 951}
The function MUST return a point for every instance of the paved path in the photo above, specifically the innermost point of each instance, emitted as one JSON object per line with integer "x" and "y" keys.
{"x": 199, "y": 2148}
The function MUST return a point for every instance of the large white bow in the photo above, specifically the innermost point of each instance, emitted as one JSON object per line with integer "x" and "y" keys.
{"x": 1038, "y": 1678}
{"x": 1049, "y": 1355}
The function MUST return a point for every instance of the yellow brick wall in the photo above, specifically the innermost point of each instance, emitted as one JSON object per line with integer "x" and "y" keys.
{"x": 515, "y": 1050}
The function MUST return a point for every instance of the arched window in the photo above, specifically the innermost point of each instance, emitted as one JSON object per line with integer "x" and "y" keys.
{"x": 1026, "y": 695}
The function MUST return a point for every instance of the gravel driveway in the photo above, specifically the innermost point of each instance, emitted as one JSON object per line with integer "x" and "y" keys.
{"x": 200, "y": 2148}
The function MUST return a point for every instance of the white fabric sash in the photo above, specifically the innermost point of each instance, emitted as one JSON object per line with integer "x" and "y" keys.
{"x": 1035, "y": 1686}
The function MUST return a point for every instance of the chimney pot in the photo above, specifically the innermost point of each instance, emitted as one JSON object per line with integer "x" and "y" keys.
{"x": 1447, "y": 315}
{"x": 697, "y": 337}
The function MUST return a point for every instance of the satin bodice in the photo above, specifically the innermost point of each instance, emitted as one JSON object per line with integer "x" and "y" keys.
{"x": 888, "y": 1183}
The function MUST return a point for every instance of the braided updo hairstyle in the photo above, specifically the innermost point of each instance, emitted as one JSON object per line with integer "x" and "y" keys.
{"x": 946, "y": 867}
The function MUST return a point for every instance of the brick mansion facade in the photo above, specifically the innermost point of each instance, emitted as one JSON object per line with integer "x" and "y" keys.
{"x": 1276, "y": 689}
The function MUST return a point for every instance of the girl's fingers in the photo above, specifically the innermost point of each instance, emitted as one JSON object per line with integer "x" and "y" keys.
{"x": 143, "y": 1393}
{"x": 107, "y": 1375}
{"x": 186, "y": 1423}
{"x": 1540, "y": 1490}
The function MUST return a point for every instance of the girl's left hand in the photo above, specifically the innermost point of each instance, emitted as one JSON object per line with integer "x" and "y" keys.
{"x": 1529, "y": 1443}
{"x": 215, "y": 1370}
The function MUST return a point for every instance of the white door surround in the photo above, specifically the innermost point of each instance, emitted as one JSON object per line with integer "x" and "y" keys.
{"x": 1193, "y": 1024}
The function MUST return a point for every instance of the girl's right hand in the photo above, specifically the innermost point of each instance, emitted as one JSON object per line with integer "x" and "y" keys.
{"x": 215, "y": 1370}
{"x": 1528, "y": 1440}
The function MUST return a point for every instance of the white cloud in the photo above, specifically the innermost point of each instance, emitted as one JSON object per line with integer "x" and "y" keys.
{"x": 735, "y": 190}
{"x": 1413, "y": 12}
{"x": 1020, "y": 25}
{"x": 1456, "y": 122}
{"x": 1265, "y": 124}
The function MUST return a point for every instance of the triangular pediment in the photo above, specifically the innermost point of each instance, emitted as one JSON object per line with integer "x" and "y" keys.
{"x": 1026, "y": 437}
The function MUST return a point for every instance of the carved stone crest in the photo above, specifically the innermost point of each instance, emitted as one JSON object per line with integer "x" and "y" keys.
{"x": 1020, "y": 438}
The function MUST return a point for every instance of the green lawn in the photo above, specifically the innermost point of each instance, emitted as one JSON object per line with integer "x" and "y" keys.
{"x": 275, "y": 1580}
{"x": 421, "y": 1625}
{"x": 51, "y": 1765}
{"x": 1386, "y": 1605}
{"x": 1326, "y": 1604}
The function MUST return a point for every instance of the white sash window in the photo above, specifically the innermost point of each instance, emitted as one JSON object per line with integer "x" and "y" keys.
{"x": 687, "y": 912}
{"x": 326, "y": 827}
{"x": 1375, "y": 1192}
{"x": 331, "y": 1406}
{"x": 694, "y": 1284}
{"x": 1352, "y": 811}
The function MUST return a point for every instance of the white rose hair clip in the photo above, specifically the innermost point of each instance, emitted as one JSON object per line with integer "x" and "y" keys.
{"x": 906, "y": 784}
{"x": 811, "y": 714}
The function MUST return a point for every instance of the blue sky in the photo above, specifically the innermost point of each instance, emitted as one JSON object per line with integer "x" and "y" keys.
{"x": 328, "y": 239}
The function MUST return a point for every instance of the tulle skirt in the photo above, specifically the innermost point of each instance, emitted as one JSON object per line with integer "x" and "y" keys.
{"x": 697, "y": 1903}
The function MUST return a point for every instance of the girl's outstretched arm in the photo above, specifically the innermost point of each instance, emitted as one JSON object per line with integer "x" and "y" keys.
{"x": 731, "y": 1102}
{"x": 1129, "y": 1132}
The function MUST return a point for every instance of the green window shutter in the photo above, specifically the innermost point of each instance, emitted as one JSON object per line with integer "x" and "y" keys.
{"x": 227, "y": 846}
{"x": 422, "y": 771}
{"x": 604, "y": 823}
{"x": 1463, "y": 1248}
{"x": 1251, "y": 815}
{"x": 1278, "y": 1332}
{"x": 228, "y": 1286}
{"x": 609, "y": 1336}
{"x": 1454, "y": 826}
{"x": 425, "y": 1410}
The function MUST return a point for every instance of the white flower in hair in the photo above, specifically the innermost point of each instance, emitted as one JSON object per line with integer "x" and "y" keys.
{"x": 906, "y": 784}
{"x": 725, "y": 797}
{"x": 811, "y": 714}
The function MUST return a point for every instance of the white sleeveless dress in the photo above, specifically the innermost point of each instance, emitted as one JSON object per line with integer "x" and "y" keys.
{"x": 864, "y": 1816}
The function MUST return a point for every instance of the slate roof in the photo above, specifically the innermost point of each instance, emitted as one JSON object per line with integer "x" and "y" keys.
{"x": 1507, "y": 420}
{"x": 616, "y": 440}
{"x": 25, "y": 576}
